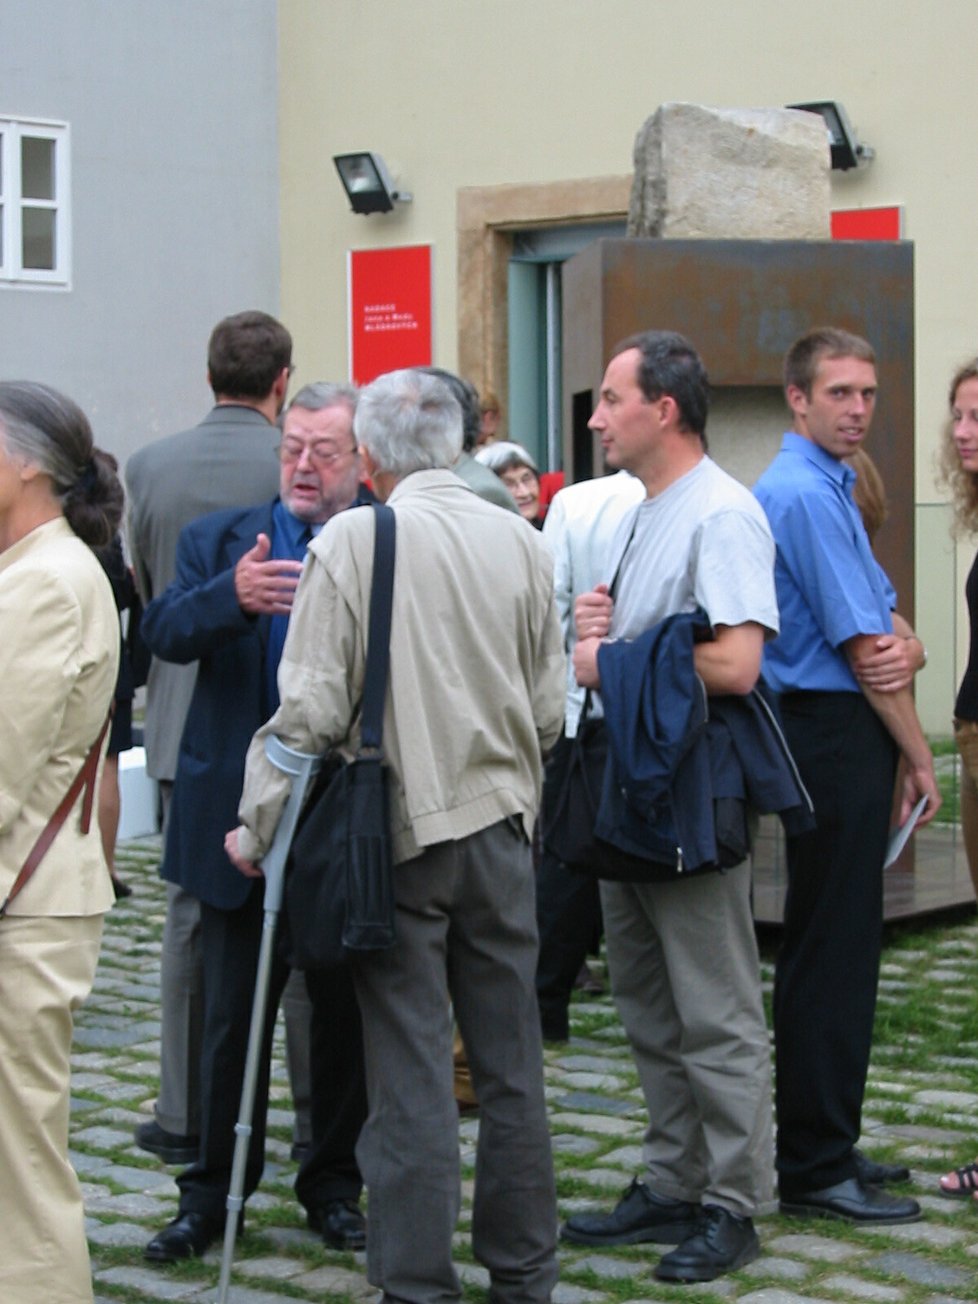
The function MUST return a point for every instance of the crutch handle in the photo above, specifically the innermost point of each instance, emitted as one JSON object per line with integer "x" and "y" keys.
{"x": 288, "y": 759}
{"x": 301, "y": 767}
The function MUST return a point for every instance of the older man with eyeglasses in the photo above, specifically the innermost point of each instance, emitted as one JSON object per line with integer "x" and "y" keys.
{"x": 228, "y": 609}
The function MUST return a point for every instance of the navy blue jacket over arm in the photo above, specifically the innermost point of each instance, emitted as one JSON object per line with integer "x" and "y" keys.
{"x": 685, "y": 771}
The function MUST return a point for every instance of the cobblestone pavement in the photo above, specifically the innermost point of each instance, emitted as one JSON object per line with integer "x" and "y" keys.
{"x": 922, "y": 1108}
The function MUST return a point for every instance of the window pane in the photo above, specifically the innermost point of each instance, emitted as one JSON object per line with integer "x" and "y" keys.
{"x": 37, "y": 167}
{"x": 38, "y": 239}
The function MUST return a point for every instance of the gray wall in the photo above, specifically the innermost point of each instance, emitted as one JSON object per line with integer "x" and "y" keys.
{"x": 172, "y": 109}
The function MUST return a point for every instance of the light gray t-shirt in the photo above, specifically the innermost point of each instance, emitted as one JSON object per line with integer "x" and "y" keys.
{"x": 703, "y": 542}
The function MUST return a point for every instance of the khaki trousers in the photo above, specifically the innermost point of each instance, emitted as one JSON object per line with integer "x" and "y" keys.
{"x": 47, "y": 966}
{"x": 686, "y": 979}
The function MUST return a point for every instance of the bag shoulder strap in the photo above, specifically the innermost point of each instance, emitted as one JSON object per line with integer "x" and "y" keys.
{"x": 613, "y": 586}
{"x": 378, "y": 643}
{"x": 84, "y": 779}
{"x": 612, "y": 589}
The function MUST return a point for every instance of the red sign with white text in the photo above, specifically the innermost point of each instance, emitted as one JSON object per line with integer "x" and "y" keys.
{"x": 390, "y": 310}
{"x": 867, "y": 223}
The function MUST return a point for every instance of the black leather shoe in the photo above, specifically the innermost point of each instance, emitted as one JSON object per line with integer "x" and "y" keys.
{"x": 640, "y": 1215}
{"x": 853, "y": 1202}
{"x": 872, "y": 1173}
{"x": 170, "y": 1146}
{"x": 722, "y": 1242}
{"x": 188, "y": 1235}
{"x": 554, "y": 1021}
{"x": 340, "y": 1223}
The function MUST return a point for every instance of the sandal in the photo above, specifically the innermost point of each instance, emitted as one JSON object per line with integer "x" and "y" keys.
{"x": 967, "y": 1183}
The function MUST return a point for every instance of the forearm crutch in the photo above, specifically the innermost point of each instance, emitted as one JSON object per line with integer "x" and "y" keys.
{"x": 301, "y": 767}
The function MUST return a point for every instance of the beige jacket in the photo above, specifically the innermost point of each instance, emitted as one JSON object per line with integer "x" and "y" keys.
{"x": 59, "y": 658}
{"x": 477, "y": 666}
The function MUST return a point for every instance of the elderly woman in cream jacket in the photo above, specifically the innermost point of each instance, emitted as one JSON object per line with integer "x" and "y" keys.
{"x": 59, "y": 653}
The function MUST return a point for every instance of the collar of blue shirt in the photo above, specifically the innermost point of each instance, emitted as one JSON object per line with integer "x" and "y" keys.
{"x": 835, "y": 469}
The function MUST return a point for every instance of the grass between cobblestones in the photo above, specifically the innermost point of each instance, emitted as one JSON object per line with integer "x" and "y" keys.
{"x": 921, "y": 1109}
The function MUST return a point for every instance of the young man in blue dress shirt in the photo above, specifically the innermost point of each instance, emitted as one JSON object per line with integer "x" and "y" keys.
{"x": 842, "y": 664}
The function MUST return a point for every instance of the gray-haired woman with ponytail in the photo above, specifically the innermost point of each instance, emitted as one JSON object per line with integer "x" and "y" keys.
{"x": 59, "y": 651}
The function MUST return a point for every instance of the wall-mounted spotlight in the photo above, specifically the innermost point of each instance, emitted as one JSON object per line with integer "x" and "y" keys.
{"x": 846, "y": 150}
{"x": 368, "y": 184}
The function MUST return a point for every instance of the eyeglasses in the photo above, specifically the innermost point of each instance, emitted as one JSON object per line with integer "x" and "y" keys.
{"x": 321, "y": 454}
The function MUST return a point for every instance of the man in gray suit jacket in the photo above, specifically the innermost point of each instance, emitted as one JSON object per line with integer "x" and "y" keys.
{"x": 478, "y": 477}
{"x": 229, "y": 460}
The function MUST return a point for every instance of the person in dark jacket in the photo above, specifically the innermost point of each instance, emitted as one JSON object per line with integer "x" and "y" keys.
{"x": 228, "y": 608}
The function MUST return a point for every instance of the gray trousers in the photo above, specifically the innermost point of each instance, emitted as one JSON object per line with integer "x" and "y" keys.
{"x": 685, "y": 975}
{"x": 182, "y": 1013}
{"x": 466, "y": 934}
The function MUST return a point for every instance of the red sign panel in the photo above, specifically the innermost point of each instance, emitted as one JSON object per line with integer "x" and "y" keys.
{"x": 390, "y": 310}
{"x": 867, "y": 224}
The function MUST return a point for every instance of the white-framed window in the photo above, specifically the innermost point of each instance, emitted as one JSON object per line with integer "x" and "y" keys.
{"x": 35, "y": 232}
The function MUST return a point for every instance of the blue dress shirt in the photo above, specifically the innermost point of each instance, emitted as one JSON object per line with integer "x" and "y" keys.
{"x": 290, "y": 539}
{"x": 830, "y": 586}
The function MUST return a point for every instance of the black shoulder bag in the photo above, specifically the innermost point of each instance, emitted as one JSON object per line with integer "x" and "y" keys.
{"x": 339, "y": 885}
{"x": 572, "y": 792}
{"x": 572, "y": 786}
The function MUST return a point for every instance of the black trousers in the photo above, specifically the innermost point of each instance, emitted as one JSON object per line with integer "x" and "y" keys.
{"x": 828, "y": 968}
{"x": 569, "y": 922}
{"x": 568, "y": 917}
{"x": 230, "y": 941}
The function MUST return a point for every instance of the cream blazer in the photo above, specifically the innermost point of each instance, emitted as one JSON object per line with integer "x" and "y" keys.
{"x": 59, "y": 658}
{"x": 476, "y": 686}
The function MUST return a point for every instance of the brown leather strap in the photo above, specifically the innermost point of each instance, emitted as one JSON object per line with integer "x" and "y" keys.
{"x": 85, "y": 778}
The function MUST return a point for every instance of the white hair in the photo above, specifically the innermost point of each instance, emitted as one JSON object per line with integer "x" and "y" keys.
{"x": 503, "y": 455}
{"x": 409, "y": 421}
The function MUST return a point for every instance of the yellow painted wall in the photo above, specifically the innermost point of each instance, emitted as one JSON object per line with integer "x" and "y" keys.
{"x": 457, "y": 93}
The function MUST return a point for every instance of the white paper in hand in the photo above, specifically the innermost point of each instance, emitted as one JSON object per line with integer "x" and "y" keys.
{"x": 902, "y": 835}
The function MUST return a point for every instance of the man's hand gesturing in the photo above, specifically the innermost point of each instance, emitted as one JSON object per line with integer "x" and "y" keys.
{"x": 263, "y": 587}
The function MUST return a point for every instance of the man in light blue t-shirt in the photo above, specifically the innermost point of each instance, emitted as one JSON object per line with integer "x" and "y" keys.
{"x": 682, "y": 953}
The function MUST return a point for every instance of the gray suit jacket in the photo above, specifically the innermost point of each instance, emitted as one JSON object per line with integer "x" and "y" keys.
{"x": 486, "y": 483}
{"x": 229, "y": 460}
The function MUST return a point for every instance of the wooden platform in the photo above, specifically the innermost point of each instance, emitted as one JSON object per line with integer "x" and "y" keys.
{"x": 935, "y": 879}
